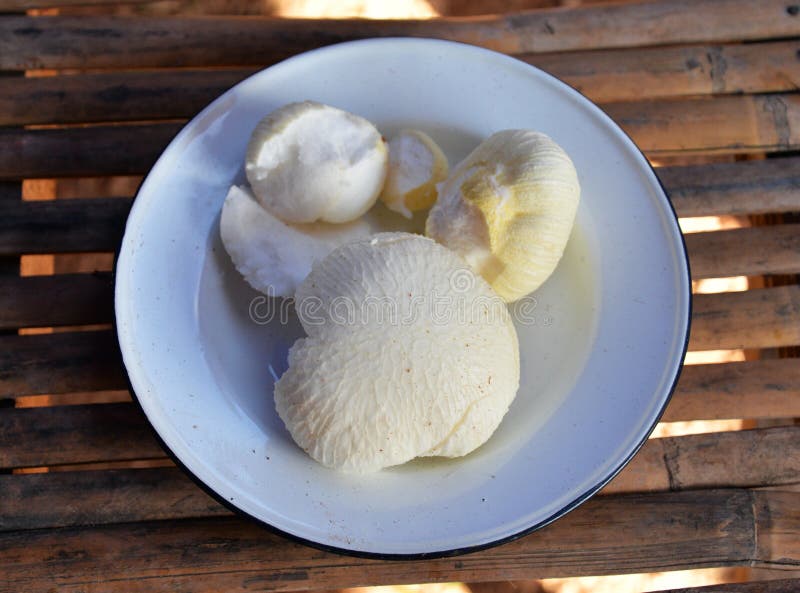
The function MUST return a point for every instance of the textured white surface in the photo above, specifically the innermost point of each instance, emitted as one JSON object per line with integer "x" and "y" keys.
{"x": 307, "y": 162}
{"x": 275, "y": 257}
{"x": 508, "y": 210}
{"x": 381, "y": 378}
{"x": 416, "y": 166}
{"x": 599, "y": 347}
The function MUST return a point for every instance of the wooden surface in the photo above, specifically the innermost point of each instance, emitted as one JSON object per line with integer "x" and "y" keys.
{"x": 701, "y": 528}
{"x": 88, "y": 499}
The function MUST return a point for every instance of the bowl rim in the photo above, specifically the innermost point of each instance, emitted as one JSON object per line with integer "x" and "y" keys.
{"x": 457, "y": 551}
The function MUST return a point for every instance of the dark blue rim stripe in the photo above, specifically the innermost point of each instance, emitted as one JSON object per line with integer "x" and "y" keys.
{"x": 466, "y": 549}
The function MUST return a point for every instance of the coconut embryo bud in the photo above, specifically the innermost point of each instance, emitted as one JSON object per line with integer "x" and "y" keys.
{"x": 309, "y": 162}
{"x": 508, "y": 210}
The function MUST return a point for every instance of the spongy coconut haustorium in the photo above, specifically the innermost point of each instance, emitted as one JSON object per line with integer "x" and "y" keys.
{"x": 309, "y": 162}
{"x": 508, "y": 209}
{"x": 373, "y": 387}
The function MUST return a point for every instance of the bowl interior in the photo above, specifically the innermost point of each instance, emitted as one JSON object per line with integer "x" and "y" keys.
{"x": 601, "y": 342}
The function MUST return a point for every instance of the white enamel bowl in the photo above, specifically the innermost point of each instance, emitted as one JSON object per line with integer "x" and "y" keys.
{"x": 601, "y": 342}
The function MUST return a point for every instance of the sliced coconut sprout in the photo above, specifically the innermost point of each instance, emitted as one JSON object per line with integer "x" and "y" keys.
{"x": 416, "y": 165}
{"x": 508, "y": 210}
{"x": 384, "y": 376}
{"x": 275, "y": 257}
{"x": 309, "y": 162}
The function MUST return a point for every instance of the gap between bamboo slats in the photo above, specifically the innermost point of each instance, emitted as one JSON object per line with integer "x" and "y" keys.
{"x": 603, "y": 76}
{"x": 606, "y": 535}
{"x": 115, "y": 42}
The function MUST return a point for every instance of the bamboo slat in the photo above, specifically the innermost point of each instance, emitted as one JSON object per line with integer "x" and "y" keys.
{"x": 760, "y": 318}
{"x": 85, "y": 361}
{"x": 744, "y": 188}
{"x": 751, "y": 389}
{"x": 113, "y": 96}
{"x": 781, "y": 524}
{"x": 80, "y": 299}
{"x": 110, "y": 42}
{"x": 722, "y": 125}
{"x": 705, "y": 461}
{"x": 60, "y": 363}
{"x": 20, "y": 5}
{"x": 58, "y": 226}
{"x": 610, "y": 534}
{"x": 764, "y": 457}
{"x": 33, "y": 437}
{"x": 604, "y": 76}
{"x": 75, "y": 299}
{"x": 748, "y": 251}
{"x": 63, "y": 499}
{"x": 10, "y": 193}
{"x": 87, "y": 152}
{"x": 776, "y": 586}
{"x": 655, "y": 72}
{"x": 10, "y": 196}
{"x": 736, "y": 189}
{"x": 43, "y": 301}
{"x": 725, "y": 124}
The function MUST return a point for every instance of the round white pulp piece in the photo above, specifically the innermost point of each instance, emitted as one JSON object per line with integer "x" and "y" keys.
{"x": 381, "y": 378}
{"x": 309, "y": 162}
{"x": 275, "y": 257}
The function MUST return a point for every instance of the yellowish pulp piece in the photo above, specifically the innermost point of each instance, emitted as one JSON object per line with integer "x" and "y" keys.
{"x": 381, "y": 377}
{"x": 416, "y": 165}
{"x": 508, "y": 210}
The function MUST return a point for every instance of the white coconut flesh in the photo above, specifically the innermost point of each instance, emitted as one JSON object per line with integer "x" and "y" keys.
{"x": 275, "y": 257}
{"x": 383, "y": 376}
{"x": 309, "y": 162}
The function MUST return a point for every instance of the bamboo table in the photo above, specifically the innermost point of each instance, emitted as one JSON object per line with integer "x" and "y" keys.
{"x": 712, "y": 83}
